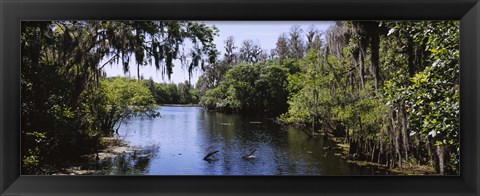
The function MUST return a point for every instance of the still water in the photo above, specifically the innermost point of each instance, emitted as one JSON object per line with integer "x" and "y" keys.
{"x": 177, "y": 142}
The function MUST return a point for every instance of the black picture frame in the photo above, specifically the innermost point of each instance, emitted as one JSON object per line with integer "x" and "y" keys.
{"x": 14, "y": 11}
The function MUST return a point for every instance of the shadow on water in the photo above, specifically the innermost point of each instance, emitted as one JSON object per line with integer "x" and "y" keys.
{"x": 131, "y": 163}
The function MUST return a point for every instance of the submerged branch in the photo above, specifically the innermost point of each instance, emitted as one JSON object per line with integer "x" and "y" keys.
{"x": 206, "y": 158}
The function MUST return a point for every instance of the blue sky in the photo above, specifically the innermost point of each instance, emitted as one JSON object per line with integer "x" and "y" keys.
{"x": 263, "y": 33}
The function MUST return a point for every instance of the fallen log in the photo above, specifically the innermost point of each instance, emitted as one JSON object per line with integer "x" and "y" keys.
{"x": 250, "y": 156}
{"x": 206, "y": 158}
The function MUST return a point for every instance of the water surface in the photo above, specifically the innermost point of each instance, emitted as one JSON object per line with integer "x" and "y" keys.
{"x": 178, "y": 141}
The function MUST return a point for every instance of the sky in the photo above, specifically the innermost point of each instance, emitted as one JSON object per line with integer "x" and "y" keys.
{"x": 263, "y": 33}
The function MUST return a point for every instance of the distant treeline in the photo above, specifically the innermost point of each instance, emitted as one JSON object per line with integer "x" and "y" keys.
{"x": 181, "y": 93}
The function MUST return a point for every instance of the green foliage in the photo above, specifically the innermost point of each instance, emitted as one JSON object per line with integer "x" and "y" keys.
{"x": 118, "y": 99}
{"x": 320, "y": 94}
{"x": 182, "y": 93}
{"x": 414, "y": 112}
{"x": 61, "y": 68}
{"x": 187, "y": 94}
{"x": 308, "y": 91}
{"x": 250, "y": 87}
{"x": 434, "y": 98}
{"x": 431, "y": 94}
{"x": 33, "y": 158}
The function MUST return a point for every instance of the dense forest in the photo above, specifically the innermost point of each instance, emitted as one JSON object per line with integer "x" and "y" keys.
{"x": 389, "y": 91}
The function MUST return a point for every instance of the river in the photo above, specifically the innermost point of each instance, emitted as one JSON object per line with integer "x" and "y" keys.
{"x": 177, "y": 142}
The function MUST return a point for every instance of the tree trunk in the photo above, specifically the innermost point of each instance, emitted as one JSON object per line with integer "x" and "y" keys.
{"x": 397, "y": 148}
{"x": 374, "y": 47}
{"x": 405, "y": 131}
{"x": 398, "y": 156}
{"x": 361, "y": 69}
{"x": 347, "y": 136}
{"x": 313, "y": 126}
{"x": 380, "y": 148}
{"x": 441, "y": 159}
{"x": 352, "y": 84}
{"x": 410, "y": 57}
{"x": 429, "y": 147}
{"x": 138, "y": 71}
{"x": 373, "y": 152}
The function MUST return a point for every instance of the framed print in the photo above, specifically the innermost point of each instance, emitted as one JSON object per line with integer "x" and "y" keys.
{"x": 239, "y": 97}
{"x": 273, "y": 106}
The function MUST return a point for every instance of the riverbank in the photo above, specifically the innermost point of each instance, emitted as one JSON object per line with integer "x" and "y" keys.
{"x": 407, "y": 168}
{"x": 91, "y": 164}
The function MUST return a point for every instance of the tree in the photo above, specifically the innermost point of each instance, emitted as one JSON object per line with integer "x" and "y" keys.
{"x": 360, "y": 35}
{"x": 214, "y": 73}
{"x": 119, "y": 99}
{"x": 250, "y": 52}
{"x": 281, "y": 49}
{"x": 370, "y": 32}
{"x": 342, "y": 36}
{"x": 296, "y": 46}
{"x": 187, "y": 93}
{"x": 250, "y": 87}
{"x": 432, "y": 94}
{"x": 314, "y": 40}
{"x": 230, "y": 57}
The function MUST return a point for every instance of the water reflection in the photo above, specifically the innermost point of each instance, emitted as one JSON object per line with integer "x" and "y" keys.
{"x": 179, "y": 141}
{"x": 132, "y": 163}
